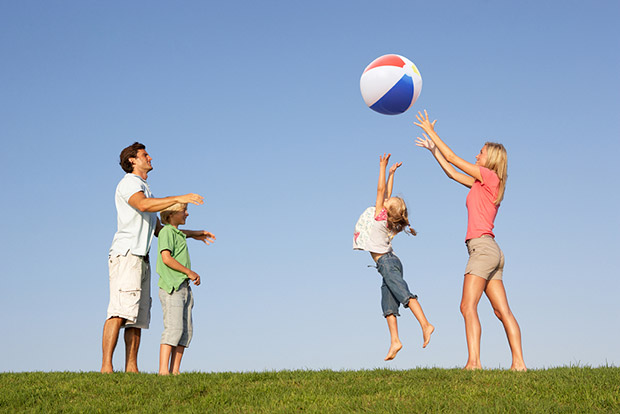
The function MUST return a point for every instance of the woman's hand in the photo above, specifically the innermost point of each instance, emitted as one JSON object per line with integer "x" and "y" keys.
{"x": 394, "y": 167}
{"x": 425, "y": 143}
{"x": 425, "y": 123}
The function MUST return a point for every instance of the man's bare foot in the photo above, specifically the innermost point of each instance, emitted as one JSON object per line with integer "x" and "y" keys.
{"x": 427, "y": 334}
{"x": 394, "y": 348}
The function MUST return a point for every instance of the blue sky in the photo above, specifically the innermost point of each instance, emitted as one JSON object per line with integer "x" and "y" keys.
{"x": 256, "y": 106}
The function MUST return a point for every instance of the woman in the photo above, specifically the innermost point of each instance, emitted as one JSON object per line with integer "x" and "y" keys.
{"x": 483, "y": 274}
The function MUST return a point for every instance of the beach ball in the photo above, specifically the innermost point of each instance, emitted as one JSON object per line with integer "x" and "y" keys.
{"x": 390, "y": 84}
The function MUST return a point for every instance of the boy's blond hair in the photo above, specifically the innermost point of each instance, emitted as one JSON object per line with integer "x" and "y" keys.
{"x": 167, "y": 212}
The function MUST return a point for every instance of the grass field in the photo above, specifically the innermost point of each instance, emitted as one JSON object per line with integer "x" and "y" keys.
{"x": 432, "y": 390}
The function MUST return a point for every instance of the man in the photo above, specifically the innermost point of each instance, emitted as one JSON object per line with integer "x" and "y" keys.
{"x": 130, "y": 271}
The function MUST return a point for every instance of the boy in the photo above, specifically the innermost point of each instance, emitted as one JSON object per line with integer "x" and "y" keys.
{"x": 175, "y": 294}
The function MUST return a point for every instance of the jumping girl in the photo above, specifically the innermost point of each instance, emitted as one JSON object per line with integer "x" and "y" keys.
{"x": 374, "y": 232}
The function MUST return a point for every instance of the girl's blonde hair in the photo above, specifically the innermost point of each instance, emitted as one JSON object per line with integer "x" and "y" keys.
{"x": 497, "y": 161}
{"x": 166, "y": 213}
{"x": 398, "y": 217}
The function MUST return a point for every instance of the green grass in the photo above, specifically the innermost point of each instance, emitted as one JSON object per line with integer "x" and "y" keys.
{"x": 556, "y": 390}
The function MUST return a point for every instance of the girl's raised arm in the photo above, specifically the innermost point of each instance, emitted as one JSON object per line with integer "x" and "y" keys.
{"x": 429, "y": 127}
{"x": 390, "y": 180}
{"x": 381, "y": 185}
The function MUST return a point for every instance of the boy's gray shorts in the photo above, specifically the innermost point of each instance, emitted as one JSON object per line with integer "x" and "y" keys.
{"x": 177, "y": 308}
{"x": 486, "y": 259}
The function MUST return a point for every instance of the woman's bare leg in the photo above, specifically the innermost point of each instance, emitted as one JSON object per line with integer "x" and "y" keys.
{"x": 395, "y": 344}
{"x": 496, "y": 293}
{"x": 473, "y": 287}
{"x": 427, "y": 328}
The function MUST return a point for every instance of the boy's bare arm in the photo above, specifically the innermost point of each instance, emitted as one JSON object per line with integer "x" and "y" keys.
{"x": 172, "y": 263}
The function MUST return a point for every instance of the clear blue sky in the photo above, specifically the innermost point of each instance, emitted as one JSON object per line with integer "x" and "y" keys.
{"x": 256, "y": 106}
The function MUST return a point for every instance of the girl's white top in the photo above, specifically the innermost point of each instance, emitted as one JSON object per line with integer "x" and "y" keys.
{"x": 371, "y": 233}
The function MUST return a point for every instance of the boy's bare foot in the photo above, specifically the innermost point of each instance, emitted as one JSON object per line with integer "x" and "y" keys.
{"x": 394, "y": 348}
{"x": 427, "y": 334}
{"x": 107, "y": 370}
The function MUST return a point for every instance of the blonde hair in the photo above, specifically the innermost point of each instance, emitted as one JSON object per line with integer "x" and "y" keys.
{"x": 497, "y": 161}
{"x": 398, "y": 217}
{"x": 167, "y": 212}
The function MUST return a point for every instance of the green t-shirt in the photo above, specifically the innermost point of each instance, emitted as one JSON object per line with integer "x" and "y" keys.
{"x": 174, "y": 240}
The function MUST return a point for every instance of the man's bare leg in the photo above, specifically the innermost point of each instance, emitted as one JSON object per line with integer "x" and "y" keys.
{"x": 132, "y": 343}
{"x": 111, "y": 329}
{"x": 164, "y": 359}
{"x": 175, "y": 359}
{"x": 395, "y": 344}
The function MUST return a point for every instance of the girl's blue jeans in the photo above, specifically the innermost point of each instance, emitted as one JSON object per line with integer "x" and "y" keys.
{"x": 394, "y": 289}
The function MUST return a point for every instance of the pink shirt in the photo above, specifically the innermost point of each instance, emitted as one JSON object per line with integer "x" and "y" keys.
{"x": 481, "y": 208}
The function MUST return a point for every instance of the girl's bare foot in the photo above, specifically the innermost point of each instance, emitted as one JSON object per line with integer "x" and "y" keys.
{"x": 394, "y": 348}
{"x": 427, "y": 332}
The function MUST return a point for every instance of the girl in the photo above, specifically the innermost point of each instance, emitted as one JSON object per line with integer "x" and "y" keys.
{"x": 374, "y": 232}
{"x": 487, "y": 181}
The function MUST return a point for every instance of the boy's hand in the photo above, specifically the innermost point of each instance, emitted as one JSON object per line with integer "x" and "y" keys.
{"x": 384, "y": 159}
{"x": 193, "y": 276}
{"x": 394, "y": 167}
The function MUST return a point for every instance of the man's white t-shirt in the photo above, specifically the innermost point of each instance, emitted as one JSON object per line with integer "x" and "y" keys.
{"x": 135, "y": 228}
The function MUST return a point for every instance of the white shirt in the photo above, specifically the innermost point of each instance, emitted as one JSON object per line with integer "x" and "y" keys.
{"x": 135, "y": 228}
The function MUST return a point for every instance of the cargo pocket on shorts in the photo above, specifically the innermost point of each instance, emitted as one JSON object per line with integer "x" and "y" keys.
{"x": 130, "y": 289}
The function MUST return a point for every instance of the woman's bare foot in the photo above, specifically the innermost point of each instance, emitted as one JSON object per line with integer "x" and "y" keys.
{"x": 394, "y": 348}
{"x": 427, "y": 332}
{"x": 520, "y": 368}
{"x": 472, "y": 367}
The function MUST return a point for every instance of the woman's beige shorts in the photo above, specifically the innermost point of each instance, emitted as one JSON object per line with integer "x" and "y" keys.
{"x": 486, "y": 259}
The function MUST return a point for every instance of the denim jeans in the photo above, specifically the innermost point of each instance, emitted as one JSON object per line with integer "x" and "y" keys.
{"x": 394, "y": 289}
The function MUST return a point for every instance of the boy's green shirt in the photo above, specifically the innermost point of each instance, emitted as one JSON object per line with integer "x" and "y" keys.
{"x": 171, "y": 238}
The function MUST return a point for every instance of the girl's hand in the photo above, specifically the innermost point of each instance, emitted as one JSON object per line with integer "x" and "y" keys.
{"x": 384, "y": 159}
{"x": 394, "y": 167}
{"x": 425, "y": 143}
{"x": 425, "y": 123}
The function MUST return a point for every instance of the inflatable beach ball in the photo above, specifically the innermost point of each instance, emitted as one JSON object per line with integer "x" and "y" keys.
{"x": 390, "y": 84}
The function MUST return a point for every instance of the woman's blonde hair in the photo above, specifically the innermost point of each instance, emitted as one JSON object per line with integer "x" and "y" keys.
{"x": 398, "y": 217}
{"x": 497, "y": 161}
{"x": 166, "y": 213}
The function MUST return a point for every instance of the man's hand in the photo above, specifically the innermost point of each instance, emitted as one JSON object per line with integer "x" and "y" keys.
{"x": 204, "y": 236}
{"x": 190, "y": 198}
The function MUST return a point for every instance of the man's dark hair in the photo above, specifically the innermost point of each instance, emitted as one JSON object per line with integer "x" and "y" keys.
{"x": 130, "y": 152}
